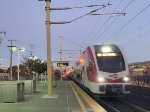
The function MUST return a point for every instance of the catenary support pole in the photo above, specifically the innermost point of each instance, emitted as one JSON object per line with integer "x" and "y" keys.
{"x": 49, "y": 64}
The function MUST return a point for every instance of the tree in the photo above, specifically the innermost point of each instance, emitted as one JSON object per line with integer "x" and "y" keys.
{"x": 36, "y": 65}
{"x": 1, "y": 70}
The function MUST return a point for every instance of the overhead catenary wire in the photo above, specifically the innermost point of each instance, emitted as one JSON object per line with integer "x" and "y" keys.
{"x": 88, "y": 6}
{"x": 136, "y": 37}
{"x": 88, "y": 13}
{"x": 113, "y": 20}
{"x": 94, "y": 27}
{"x": 67, "y": 8}
{"x": 66, "y": 22}
{"x": 73, "y": 43}
{"x": 130, "y": 20}
{"x": 92, "y": 38}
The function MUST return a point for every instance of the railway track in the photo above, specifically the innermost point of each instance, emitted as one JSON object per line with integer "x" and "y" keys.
{"x": 117, "y": 104}
{"x": 112, "y": 104}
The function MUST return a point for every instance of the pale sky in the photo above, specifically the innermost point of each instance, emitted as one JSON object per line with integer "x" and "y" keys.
{"x": 24, "y": 21}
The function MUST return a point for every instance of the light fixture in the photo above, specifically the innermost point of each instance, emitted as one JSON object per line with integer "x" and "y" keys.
{"x": 106, "y": 49}
{"x": 101, "y": 79}
{"x": 126, "y": 79}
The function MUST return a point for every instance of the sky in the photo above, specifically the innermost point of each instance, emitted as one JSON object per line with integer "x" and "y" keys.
{"x": 24, "y": 21}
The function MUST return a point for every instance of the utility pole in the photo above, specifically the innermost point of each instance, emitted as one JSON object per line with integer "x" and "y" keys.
{"x": 60, "y": 38}
{"x": 4, "y": 32}
{"x": 32, "y": 57}
{"x": 49, "y": 63}
{"x": 0, "y": 50}
{"x": 31, "y": 51}
{"x": 48, "y": 37}
{"x": 11, "y": 52}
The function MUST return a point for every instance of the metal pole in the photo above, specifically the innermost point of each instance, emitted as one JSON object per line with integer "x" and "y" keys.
{"x": 11, "y": 61}
{"x": 45, "y": 76}
{"x": 0, "y": 45}
{"x": 33, "y": 75}
{"x": 60, "y": 37}
{"x": 18, "y": 64}
{"x": 49, "y": 64}
{"x": 0, "y": 48}
{"x": 11, "y": 52}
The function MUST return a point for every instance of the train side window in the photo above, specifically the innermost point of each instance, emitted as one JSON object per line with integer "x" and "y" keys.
{"x": 90, "y": 66}
{"x": 83, "y": 69}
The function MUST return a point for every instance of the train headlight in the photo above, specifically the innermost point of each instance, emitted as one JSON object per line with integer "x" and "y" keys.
{"x": 101, "y": 79}
{"x": 106, "y": 49}
{"x": 126, "y": 79}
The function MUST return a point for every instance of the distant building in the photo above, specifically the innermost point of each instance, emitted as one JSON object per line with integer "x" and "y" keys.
{"x": 140, "y": 68}
{"x": 4, "y": 68}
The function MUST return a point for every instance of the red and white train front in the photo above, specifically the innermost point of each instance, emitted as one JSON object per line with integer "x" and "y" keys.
{"x": 104, "y": 69}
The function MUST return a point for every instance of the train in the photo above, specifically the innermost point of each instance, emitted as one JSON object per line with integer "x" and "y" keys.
{"x": 103, "y": 69}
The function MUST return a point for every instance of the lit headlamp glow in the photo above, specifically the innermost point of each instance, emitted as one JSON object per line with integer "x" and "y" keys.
{"x": 126, "y": 79}
{"x": 101, "y": 79}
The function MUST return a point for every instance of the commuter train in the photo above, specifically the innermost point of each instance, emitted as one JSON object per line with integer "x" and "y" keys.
{"x": 103, "y": 69}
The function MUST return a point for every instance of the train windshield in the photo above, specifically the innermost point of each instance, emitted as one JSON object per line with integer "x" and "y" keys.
{"x": 109, "y": 59}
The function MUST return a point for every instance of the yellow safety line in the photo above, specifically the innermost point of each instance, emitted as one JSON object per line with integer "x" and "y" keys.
{"x": 78, "y": 99}
{"x": 96, "y": 107}
{"x": 67, "y": 97}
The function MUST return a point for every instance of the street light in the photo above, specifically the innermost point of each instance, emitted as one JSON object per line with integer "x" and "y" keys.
{"x": 11, "y": 48}
{"x": 19, "y": 50}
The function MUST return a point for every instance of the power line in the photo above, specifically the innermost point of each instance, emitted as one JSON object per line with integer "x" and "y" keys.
{"x": 67, "y": 8}
{"x": 66, "y": 22}
{"x": 136, "y": 37}
{"x": 131, "y": 20}
{"x": 94, "y": 26}
{"x": 104, "y": 24}
{"x": 141, "y": 27}
{"x": 32, "y": 50}
{"x": 114, "y": 20}
{"x": 88, "y": 13}
{"x": 73, "y": 43}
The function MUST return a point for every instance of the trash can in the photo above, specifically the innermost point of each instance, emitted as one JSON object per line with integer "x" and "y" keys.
{"x": 1, "y": 92}
{"x": 30, "y": 86}
{"x": 54, "y": 80}
{"x": 12, "y": 91}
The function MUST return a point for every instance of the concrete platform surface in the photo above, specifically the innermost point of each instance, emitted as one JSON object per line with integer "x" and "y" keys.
{"x": 64, "y": 99}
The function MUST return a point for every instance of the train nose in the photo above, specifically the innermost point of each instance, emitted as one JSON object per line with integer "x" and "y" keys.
{"x": 101, "y": 88}
{"x": 117, "y": 88}
{"x": 113, "y": 89}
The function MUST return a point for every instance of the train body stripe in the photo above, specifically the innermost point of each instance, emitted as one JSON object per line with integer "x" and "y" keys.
{"x": 92, "y": 75}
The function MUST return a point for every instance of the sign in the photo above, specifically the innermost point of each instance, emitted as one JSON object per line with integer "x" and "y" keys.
{"x": 114, "y": 76}
{"x": 62, "y": 64}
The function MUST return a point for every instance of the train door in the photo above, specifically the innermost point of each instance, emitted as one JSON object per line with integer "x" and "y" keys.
{"x": 84, "y": 75}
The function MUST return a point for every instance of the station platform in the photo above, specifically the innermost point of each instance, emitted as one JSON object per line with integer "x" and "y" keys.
{"x": 67, "y": 97}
